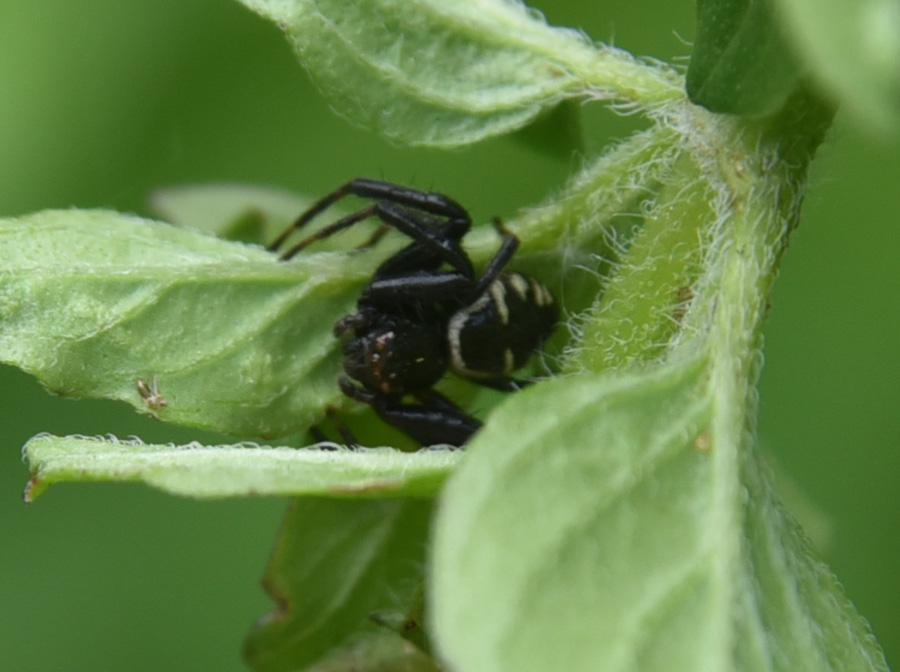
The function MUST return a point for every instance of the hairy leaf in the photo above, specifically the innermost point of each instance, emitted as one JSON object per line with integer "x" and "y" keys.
{"x": 593, "y": 525}
{"x": 628, "y": 513}
{"x": 98, "y": 304}
{"x": 448, "y": 73}
{"x": 189, "y": 328}
{"x": 240, "y": 470}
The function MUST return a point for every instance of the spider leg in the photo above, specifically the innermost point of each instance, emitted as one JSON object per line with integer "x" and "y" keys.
{"x": 330, "y": 230}
{"x": 414, "y": 257}
{"x": 348, "y": 437}
{"x": 380, "y": 232}
{"x": 424, "y": 286}
{"x": 507, "y": 249}
{"x": 432, "y": 203}
{"x": 442, "y": 243}
{"x": 435, "y": 204}
{"x": 436, "y": 420}
{"x": 436, "y": 244}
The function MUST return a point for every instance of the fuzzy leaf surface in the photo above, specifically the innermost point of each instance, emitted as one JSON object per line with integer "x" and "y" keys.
{"x": 451, "y": 72}
{"x": 601, "y": 524}
{"x": 621, "y": 517}
{"x": 99, "y": 304}
{"x": 238, "y": 470}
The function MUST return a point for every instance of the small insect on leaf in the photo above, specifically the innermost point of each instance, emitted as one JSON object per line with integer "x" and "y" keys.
{"x": 150, "y": 394}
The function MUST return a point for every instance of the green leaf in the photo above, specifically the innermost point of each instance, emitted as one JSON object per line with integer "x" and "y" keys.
{"x": 852, "y": 49}
{"x": 646, "y": 296}
{"x": 624, "y": 519}
{"x": 604, "y": 531}
{"x": 239, "y": 470}
{"x": 335, "y": 564}
{"x": 98, "y": 304}
{"x": 740, "y": 63}
{"x": 447, "y": 73}
{"x": 568, "y": 498}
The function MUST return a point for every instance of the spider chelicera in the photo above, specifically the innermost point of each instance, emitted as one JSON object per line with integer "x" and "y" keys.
{"x": 425, "y": 312}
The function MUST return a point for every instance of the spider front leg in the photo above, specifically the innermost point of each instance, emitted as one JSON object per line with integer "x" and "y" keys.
{"x": 507, "y": 249}
{"x": 427, "y": 287}
{"x": 433, "y": 244}
{"x": 404, "y": 199}
{"x": 318, "y": 436}
{"x": 434, "y": 421}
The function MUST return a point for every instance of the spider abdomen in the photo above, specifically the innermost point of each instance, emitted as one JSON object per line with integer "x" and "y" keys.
{"x": 497, "y": 333}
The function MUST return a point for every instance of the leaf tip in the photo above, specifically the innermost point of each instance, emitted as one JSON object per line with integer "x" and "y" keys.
{"x": 34, "y": 488}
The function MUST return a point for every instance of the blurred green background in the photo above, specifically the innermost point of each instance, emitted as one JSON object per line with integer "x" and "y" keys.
{"x": 103, "y": 101}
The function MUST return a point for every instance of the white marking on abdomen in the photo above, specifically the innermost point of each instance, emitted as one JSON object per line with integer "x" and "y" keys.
{"x": 498, "y": 293}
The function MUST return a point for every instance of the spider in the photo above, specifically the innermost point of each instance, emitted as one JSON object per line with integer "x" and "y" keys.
{"x": 425, "y": 311}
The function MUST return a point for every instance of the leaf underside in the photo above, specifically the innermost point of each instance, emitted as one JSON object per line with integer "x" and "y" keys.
{"x": 454, "y": 77}
{"x": 98, "y": 304}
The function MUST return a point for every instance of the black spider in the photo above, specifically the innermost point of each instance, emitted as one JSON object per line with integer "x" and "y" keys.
{"x": 426, "y": 311}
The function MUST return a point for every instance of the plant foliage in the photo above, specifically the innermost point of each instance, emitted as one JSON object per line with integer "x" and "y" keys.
{"x": 619, "y": 513}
